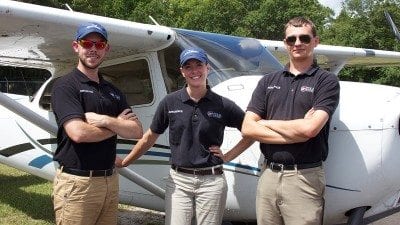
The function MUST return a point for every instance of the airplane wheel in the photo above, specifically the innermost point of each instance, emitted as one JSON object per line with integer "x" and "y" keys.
{"x": 356, "y": 216}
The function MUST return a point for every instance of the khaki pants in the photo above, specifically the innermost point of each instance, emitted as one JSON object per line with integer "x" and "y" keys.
{"x": 291, "y": 197}
{"x": 194, "y": 195}
{"x": 85, "y": 200}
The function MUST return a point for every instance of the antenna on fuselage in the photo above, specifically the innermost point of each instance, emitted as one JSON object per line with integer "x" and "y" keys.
{"x": 392, "y": 25}
{"x": 154, "y": 21}
{"x": 69, "y": 8}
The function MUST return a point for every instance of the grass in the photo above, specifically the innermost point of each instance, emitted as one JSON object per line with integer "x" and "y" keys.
{"x": 26, "y": 200}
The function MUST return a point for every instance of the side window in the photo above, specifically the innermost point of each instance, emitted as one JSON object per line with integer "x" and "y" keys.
{"x": 133, "y": 79}
{"x": 169, "y": 62}
{"x": 22, "y": 80}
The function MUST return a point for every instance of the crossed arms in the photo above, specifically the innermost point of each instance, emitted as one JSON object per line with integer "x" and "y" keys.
{"x": 284, "y": 131}
{"x": 100, "y": 127}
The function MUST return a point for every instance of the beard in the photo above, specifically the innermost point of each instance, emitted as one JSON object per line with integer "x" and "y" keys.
{"x": 88, "y": 66}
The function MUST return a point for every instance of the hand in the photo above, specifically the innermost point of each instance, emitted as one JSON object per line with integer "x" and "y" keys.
{"x": 95, "y": 119}
{"x": 128, "y": 114}
{"x": 118, "y": 162}
{"x": 217, "y": 152}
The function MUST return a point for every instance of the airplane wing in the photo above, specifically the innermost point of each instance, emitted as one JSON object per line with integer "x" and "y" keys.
{"x": 335, "y": 58}
{"x": 43, "y": 35}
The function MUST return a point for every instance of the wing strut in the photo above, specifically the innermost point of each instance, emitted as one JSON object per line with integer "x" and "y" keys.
{"x": 39, "y": 121}
{"x": 392, "y": 25}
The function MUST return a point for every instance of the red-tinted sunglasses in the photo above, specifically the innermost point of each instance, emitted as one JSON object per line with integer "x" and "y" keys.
{"x": 99, "y": 45}
{"x": 304, "y": 39}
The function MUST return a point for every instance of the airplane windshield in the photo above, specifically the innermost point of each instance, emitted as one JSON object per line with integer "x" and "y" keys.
{"x": 229, "y": 56}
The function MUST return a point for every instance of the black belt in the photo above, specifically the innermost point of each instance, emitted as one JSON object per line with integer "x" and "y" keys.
{"x": 87, "y": 173}
{"x": 199, "y": 171}
{"x": 280, "y": 167}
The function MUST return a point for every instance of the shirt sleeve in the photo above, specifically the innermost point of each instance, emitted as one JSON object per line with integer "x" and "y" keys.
{"x": 161, "y": 119}
{"x": 65, "y": 103}
{"x": 327, "y": 95}
{"x": 123, "y": 103}
{"x": 235, "y": 115}
{"x": 258, "y": 99}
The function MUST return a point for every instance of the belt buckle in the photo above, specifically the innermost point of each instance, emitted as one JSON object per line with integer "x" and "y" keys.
{"x": 272, "y": 166}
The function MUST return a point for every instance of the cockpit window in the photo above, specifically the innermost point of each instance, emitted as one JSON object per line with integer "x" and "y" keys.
{"x": 133, "y": 79}
{"x": 229, "y": 56}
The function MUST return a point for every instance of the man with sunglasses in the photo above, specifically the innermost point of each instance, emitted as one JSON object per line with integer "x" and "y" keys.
{"x": 289, "y": 113}
{"x": 90, "y": 113}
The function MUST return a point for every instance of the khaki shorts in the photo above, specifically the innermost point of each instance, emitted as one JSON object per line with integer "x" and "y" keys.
{"x": 291, "y": 197}
{"x": 85, "y": 200}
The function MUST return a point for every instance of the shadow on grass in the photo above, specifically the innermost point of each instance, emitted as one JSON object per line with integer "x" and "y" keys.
{"x": 34, "y": 205}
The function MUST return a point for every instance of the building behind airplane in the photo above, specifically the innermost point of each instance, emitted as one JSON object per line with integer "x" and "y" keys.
{"x": 362, "y": 177}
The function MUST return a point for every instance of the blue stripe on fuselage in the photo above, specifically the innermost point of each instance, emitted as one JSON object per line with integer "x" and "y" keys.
{"x": 41, "y": 161}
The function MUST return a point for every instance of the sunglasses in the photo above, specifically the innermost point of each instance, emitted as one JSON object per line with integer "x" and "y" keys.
{"x": 99, "y": 45}
{"x": 304, "y": 39}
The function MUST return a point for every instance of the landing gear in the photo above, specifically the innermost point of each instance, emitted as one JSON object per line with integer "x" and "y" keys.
{"x": 356, "y": 215}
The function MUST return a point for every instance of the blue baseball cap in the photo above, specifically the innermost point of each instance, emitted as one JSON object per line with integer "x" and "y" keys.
{"x": 91, "y": 27}
{"x": 193, "y": 53}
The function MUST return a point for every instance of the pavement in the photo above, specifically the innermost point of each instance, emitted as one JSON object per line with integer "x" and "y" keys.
{"x": 130, "y": 215}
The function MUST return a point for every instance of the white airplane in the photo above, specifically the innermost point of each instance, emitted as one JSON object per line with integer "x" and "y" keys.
{"x": 363, "y": 182}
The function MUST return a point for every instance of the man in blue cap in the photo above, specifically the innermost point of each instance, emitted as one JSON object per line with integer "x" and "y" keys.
{"x": 90, "y": 113}
{"x": 196, "y": 117}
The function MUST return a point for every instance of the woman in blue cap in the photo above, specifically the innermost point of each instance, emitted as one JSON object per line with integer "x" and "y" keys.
{"x": 196, "y": 117}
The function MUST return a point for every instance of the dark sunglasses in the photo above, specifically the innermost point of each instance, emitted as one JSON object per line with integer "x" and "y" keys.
{"x": 304, "y": 39}
{"x": 99, "y": 45}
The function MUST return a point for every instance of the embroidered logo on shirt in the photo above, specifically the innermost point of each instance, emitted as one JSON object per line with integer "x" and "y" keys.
{"x": 214, "y": 115}
{"x": 115, "y": 96}
{"x": 175, "y": 111}
{"x": 86, "y": 91}
{"x": 307, "y": 89}
{"x": 274, "y": 87}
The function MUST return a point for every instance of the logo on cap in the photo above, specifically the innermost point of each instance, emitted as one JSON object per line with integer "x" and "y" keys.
{"x": 91, "y": 27}
{"x": 193, "y": 53}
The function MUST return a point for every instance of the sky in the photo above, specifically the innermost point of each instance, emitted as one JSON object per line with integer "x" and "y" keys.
{"x": 333, "y": 4}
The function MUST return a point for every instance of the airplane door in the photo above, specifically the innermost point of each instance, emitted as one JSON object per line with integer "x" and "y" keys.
{"x": 136, "y": 77}
{"x": 139, "y": 78}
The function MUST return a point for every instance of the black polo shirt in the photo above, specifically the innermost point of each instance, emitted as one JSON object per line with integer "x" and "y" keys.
{"x": 284, "y": 96}
{"x": 194, "y": 127}
{"x": 72, "y": 96}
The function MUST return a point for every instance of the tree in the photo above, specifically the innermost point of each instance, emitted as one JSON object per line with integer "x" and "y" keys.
{"x": 220, "y": 16}
{"x": 362, "y": 23}
{"x": 268, "y": 21}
